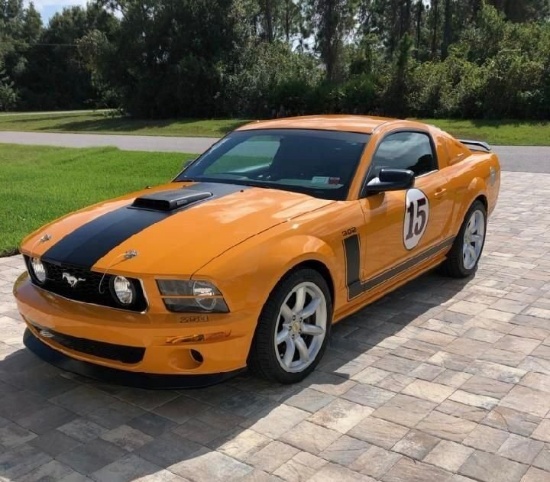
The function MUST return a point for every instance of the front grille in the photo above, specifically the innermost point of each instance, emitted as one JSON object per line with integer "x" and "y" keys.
{"x": 100, "y": 349}
{"x": 91, "y": 289}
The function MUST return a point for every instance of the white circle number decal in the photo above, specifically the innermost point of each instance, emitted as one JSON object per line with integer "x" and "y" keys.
{"x": 416, "y": 217}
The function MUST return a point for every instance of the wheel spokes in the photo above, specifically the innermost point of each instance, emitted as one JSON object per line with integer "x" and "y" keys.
{"x": 302, "y": 349}
{"x": 286, "y": 312}
{"x": 466, "y": 256}
{"x": 301, "y": 327}
{"x": 282, "y": 335}
{"x": 300, "y": 299}
{"x": 312, "y": 330}
{"x": 474, "y": 226}
{"x": 476, "y": 238}
{"x": 289, "y": 353}
{"x": 310, "y": 309}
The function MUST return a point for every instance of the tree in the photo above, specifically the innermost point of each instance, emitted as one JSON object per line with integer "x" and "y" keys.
{"x": 406, "y": 9}
{"x": 475, "y": 7}
{"x": 19, "y": 29}
{"x": 170, "y": 57}
{"x": 522, "y": 11}
{"x": 397, "y": 99}
{"x": 447, "y": 29}
{"x": 419, "y": 16}
{"x": 58, "y": 76}
{"x": 268, "y": 15}
{"x": 435, "y": 26}
{"x": 332, "y": 21}
{"x": 32, "y": 25}
{"x": 8, "y": 95}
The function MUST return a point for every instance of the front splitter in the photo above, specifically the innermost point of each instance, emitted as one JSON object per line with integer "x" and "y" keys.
{"x": 120, "y": 377}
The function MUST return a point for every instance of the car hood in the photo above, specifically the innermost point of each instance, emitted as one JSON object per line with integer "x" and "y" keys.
{"x": 140, "y": 234}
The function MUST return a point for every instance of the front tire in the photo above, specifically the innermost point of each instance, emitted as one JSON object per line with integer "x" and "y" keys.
{"x": 464, "y": 256}
{"x": 293, "y": 328}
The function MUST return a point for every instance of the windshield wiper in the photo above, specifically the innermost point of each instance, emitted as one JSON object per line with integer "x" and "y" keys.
{"x": 187, "y": 179}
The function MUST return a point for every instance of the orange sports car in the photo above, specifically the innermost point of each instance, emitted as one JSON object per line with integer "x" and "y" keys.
{"x": 254, "y": 250}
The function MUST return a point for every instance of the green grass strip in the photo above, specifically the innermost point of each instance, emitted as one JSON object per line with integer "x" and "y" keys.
{"x": 39, "y": 184}
{"x": 502, "y": 132}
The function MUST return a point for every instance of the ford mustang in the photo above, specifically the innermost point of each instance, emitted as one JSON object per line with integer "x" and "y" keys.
{"x": 246, "y": 259}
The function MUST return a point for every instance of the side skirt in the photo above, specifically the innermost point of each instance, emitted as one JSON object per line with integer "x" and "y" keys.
{"x": 390, "y": 283}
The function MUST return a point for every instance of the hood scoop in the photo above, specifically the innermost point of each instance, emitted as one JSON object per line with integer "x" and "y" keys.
{"x": 169, "y": 200}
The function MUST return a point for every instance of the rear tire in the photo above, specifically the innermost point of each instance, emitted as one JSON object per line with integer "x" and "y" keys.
{"x": 293, "y": 328}
{"x": 463, "y": 259}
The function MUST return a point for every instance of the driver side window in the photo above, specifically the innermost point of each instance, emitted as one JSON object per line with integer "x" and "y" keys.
{"x": 404, "y": 150}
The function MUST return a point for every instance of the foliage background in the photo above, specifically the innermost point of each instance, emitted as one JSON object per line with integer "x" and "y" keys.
{"x": 264, "y": 58}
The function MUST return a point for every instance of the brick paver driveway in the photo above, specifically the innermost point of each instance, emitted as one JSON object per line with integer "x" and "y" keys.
{"x": 443, "y": 380}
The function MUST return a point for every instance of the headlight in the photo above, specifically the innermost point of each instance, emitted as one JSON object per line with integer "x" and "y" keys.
{"x": 184, "y": 296}
{"x": 123, "y": 290}
{"x": 38, "y": 270}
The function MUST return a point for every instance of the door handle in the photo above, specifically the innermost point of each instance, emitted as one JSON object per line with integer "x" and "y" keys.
{"x": 440, "y": 193}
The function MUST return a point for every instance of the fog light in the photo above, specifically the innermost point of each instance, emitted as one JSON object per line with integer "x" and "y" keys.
{"x": 195, "y": 355}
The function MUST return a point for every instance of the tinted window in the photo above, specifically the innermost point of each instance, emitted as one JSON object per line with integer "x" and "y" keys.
{"x": 316, "y": 162}
{"x": 404, "y": 150}
{"x": 254, "y": 152}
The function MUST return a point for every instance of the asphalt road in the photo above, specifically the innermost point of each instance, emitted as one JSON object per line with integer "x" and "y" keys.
{"x": 53, "y": 112}
{"x": 513, "y": 158}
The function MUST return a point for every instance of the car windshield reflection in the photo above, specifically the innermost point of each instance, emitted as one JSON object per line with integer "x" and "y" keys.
{"x": 315, "y": 162}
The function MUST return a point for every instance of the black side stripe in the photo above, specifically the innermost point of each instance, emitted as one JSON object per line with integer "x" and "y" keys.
{"x": 90, "y": 242}
{"x": 353, "y": 256}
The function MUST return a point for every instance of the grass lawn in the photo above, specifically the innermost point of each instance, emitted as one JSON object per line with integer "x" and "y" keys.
{"x": 503, "y": 133}
{"x": 506, "y": 132}
{"x": 102, "y": 122}
{"x": 40, "y": 184}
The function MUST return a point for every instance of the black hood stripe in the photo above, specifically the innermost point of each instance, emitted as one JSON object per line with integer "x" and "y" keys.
{"x": 86, "y": 245}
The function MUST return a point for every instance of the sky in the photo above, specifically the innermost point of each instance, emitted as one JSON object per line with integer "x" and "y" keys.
{"x": 48, "y": 8}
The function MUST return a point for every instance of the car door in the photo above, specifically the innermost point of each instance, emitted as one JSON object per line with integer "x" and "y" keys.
{"x": 403, "y": 228}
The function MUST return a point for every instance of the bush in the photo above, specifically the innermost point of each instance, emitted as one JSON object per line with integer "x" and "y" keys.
{"x": 496, "y": 70}
{"x": 8, "y": 96}
{"x": 269, "y": 80}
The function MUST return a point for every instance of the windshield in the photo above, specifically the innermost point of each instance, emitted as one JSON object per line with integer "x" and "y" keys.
{"x": 315, "y": 162}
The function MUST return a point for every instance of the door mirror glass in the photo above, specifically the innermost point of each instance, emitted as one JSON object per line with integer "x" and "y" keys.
{"x": 391, "y": 180}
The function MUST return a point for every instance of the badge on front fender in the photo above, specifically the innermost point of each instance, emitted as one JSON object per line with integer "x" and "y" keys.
{"x": 193, "y": 319}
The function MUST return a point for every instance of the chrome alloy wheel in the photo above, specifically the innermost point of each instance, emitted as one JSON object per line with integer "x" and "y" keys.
{"x": 474, "y": 237}
{"x": 301, "y": 327}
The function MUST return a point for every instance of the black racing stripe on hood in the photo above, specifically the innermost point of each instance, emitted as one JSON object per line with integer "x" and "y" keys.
{"x": 87, "y": 244}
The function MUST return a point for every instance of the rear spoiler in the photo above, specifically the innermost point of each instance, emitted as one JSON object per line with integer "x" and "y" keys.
{"x": 476, "y": 145}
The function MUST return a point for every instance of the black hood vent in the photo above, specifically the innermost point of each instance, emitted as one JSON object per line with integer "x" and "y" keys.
{"x": 169, "y": 200}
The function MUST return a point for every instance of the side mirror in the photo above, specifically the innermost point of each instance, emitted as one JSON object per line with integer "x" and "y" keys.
{"x": 391, "y": 180}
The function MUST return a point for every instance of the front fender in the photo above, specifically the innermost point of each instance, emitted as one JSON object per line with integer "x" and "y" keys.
{"x": 247, "y": 273}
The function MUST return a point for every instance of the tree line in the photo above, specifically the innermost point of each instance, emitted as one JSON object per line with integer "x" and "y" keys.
{"x": 265, "y": 58}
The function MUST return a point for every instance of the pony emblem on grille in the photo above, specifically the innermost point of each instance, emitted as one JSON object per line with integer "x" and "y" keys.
{"x": 72, "y": 280}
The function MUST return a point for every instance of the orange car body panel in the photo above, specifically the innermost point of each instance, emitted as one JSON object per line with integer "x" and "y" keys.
{"x": 247, "y": 241}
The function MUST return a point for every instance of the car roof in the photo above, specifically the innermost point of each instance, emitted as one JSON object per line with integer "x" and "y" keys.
{"x": 346, "y": 123}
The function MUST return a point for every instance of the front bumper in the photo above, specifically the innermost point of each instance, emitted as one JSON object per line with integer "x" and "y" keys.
{"x": 171, "y": 351}
{"x": 120, "y": 377}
